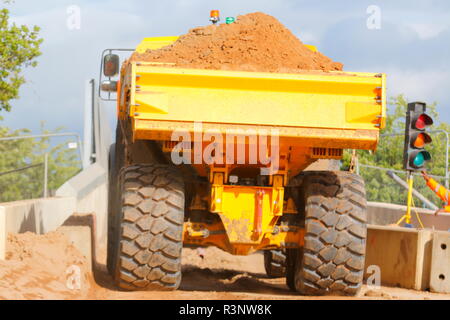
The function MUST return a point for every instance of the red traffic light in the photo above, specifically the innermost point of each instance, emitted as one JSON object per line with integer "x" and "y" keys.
{"x": 422, "y": 121}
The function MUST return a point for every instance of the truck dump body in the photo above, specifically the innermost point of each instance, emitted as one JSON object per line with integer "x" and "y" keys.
{"x": 332, "y": 100}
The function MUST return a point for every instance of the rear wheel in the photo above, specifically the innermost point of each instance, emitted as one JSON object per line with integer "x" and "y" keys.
{"x": 116, "y": 162}
{"x": 112, "y": 206}
{"x": 275, "y": 263}
{"x": 292, "y": 256}
{"x": 148, "y": 237}
{"x": 332, "y": 259}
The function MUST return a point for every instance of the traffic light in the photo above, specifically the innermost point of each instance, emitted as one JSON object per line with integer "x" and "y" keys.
{"x": 414, "y": 154}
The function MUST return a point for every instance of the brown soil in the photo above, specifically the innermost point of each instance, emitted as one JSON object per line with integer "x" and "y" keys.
{"x": 255, "y": 42}
{"x": 39, "y": 267}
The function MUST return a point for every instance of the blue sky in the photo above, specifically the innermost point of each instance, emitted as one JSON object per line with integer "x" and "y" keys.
{"x": 412, "y": 45}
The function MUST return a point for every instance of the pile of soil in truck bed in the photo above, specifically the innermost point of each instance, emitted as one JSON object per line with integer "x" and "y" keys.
{"x": 255, "y": 42}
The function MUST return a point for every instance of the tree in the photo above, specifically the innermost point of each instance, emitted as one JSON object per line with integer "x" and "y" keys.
{"x": 19, "y": 46}
{"x": 389, "y": 154}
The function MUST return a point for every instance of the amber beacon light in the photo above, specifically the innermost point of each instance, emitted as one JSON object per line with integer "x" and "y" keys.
{"x": 214, "y": 16}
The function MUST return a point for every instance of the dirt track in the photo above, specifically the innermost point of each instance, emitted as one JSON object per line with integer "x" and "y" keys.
{"x": 223, "y": 276}
{"x": 37, "y": 268}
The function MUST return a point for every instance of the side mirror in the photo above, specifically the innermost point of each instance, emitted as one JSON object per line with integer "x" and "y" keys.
{"x": 109, "y": 86}
{"x": 111, "y": 65}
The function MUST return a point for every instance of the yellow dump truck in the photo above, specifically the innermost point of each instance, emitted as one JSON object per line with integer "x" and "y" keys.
{"x": 219, "y": 158}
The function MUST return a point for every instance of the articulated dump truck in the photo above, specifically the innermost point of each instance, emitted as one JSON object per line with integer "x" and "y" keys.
{"x": 183, "y": 170}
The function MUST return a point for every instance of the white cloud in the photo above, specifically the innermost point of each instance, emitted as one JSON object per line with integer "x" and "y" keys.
{"x": 419, "y": 85}
{"x": 427, "y": 85}
{"x": 427, "y": 30}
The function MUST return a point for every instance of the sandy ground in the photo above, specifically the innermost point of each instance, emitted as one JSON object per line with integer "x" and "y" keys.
{"x": 220, "y": 275}
{"x": 45, "y": 266}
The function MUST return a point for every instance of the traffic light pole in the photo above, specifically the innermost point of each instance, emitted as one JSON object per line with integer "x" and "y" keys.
{"x": 407, "y": 215}
{"x": 410, "y": 189}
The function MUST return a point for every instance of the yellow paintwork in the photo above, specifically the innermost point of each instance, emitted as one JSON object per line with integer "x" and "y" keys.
{"x": 281, "y": 238}
{"x": 309, "y": 110}
{"x": 328, "y": 100}
{"x": 236, "y": 206}
{"x": 155, "y": 43}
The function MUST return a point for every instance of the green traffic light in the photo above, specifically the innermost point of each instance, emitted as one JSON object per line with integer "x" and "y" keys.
{"x": 419, "y": 160}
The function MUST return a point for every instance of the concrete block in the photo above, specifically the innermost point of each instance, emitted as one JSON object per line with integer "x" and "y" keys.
{"x": 90, "y": 188}
{"x": 440, "y": 263}
{"x": 80, "y": 237}
{"x": 81, "y": 229}
{"x": 35, "y": 215}
{"x": 403, "y": 255}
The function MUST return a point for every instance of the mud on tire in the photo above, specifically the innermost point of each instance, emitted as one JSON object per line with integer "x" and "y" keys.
{"x": 332, "y": 260}
{"x": 149, "y": 228}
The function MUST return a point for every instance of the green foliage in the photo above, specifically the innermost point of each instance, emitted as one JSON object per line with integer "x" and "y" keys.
{"x": 389, "y": 154}
{"x": 19, "y": 46}
{"x": 63, "y": 163}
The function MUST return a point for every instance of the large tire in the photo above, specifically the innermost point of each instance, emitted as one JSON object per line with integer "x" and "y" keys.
{"x": 112, "y": 205}
{"x": 149, "y": 228}
{"x": 275, "y": 263}
{"x": 116, "y": 162}
{"x": 332, "y": 259}
{"x": 292, "y": 258}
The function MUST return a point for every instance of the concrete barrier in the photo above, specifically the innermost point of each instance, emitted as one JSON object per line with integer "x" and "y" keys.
{"x": 80, "y": 230}
{"x": 410, "y": 258}
{"x": 440, "y": 263}
{"x": 402, "y": 254}
{"x": 36, "y": 215}
{"x": 90, "y": 189}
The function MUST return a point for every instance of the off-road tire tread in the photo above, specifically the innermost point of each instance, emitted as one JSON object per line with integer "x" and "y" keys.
{"x": 332, "y": 261}
{"x": 275, "y": 263}
{"x": 150, "y": 228}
